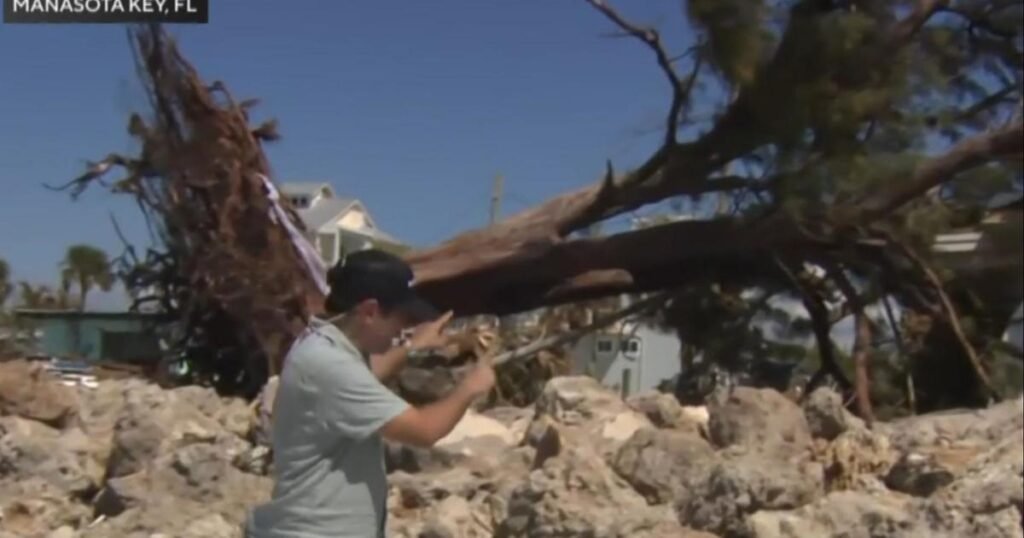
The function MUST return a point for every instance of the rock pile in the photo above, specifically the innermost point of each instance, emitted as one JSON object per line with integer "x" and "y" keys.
{"x": 130, "y": 459}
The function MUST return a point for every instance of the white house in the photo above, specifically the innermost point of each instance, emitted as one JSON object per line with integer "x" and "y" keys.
{"x": 335, "y": 224}
{"x": 629, "y": 357}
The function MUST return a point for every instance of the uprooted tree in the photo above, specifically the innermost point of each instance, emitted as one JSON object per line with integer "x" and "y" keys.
{"x": 846, "y": 135}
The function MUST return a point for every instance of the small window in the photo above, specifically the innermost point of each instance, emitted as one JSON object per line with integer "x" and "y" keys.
{"x": 631, "y": 347}
{"x": 604, "y": 346}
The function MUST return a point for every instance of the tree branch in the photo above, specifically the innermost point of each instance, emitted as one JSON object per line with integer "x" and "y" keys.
{"x": 898, "y": 338}
{"x": 988, "y": 102}
{"x": 651, "y": 38}
{"x": 861, "y": 345}
{"x": 647, "y": 304}
{"x": 1004, "y": 143}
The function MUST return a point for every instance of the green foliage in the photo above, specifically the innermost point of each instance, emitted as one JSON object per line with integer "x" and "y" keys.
{"x": 737, "y": 41}
{"x": 736, "y": 327}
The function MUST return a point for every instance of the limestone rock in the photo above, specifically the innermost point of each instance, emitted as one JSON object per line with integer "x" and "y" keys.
{"x": 745, "y": 482}
{"x": 758, "y": 418}
{"x": 63, "y": 532}
{"x": 545, "y": 438}
{"x": 453, "y": 517}
{"x": 589, "y": 413}
{"x": 475, "y": 436}
{"x": 949, "y": 428}
{"x": 672, "y": 530}
{"x": 34, "y": 507}
{"x": 28, "y": 391}
{"x": 988, "y": 500}
{"x": 255, "y": 460}
{"x": 213, "y": 526}
{"x": 152, "y": 423}
{"x": 663, "y": 410}
{"x": 31, "y": 449}
{"x": 857, "y": 454}
{"x": 398, "y": 457}
{"x": 660, "y": 464}
{"x": 826, "y": 416}
{"x": 155, "y": 463}
{"x": 516, "y": 419}
{"x": 850, "y": 514}
{"x": 923, "y": 472}
{"x": 576, "y": 494}
{"x": 462, "y": 501}
{"x": 474, "y": 427}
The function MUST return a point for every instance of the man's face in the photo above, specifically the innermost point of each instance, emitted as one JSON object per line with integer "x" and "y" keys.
{"x": 378, "y": 329}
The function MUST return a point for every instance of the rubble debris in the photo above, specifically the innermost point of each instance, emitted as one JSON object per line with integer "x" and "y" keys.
{"x": 141, "y": 460}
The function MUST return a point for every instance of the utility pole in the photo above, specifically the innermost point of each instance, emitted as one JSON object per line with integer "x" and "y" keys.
{"x": 496, "y": 196}
{"x": 497, "y": 193}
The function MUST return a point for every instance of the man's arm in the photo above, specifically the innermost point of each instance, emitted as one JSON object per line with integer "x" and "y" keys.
{"x": 424, "y": 426}
{"x": 386, "y": 365}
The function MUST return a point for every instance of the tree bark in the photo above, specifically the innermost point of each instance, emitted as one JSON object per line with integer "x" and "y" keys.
{"x": 862, "y": 345}
{"x": 525, "y": 262}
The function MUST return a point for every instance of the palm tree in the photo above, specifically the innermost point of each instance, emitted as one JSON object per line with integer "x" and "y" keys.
{"x": 87, "y": 267}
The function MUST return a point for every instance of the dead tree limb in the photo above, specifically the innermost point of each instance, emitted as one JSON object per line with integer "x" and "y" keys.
{"x": 1004, "y": 143}
{"x": 644, "y": 305}
{"x": 897, "y": 336}
{"x": 471, "y": 271}
{"x": 862, "y": 345}
{"x": 680, "y": 90}
{"x": 675, "y": 168}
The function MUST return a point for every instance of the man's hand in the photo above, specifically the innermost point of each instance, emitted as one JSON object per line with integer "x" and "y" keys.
{"x": 431, "y": 335}
{"x": 480, "y": 380}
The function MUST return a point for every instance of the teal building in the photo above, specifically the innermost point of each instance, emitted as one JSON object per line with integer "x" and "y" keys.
{"x": 116, "y": 336}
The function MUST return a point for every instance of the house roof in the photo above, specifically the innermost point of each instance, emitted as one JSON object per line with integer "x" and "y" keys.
{"x": 325, "y": 211}
{"x": 377, "y": 234}
{"x": 293, "y": 188}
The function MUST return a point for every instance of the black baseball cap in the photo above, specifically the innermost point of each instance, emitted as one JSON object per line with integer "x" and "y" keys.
{"x": 380, "y": 275}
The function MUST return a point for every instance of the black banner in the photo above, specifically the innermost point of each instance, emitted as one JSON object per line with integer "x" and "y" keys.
{"x": 106, "y": 11}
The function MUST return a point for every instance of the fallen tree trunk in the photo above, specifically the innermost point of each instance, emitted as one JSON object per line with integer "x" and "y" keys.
{"x": 237, "y": 277}
{"x": 525, "y": 262}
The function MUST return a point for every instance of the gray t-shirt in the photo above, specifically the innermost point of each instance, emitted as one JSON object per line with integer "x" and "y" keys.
{"x": 329, "y": 478}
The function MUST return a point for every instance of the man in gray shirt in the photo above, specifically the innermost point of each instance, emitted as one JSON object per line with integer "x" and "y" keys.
{"x": 332, "y": 409}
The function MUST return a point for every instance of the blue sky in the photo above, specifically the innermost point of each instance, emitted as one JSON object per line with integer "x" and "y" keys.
{"x": 412, "y": 107}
